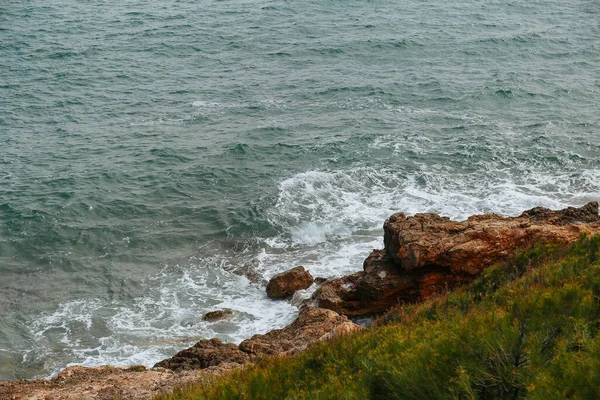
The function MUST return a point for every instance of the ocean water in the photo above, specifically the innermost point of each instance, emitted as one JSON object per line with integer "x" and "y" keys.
{"x": 156, "y": 154}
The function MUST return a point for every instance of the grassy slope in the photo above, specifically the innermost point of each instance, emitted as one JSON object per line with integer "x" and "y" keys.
{"x": 524, "y": 329}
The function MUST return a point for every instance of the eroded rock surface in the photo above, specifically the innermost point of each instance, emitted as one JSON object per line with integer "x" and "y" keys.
{"x": 382, "y": 285}
{"x": 312, "y": 325}
{"x": 469, "y": 246}
{"x": 426, "y": 253}
{"x": 106, "y": 383}
{"x": 287, "y": 283}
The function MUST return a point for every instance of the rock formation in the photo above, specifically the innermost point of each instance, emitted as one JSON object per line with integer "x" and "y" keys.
{"x": 469, "y": 246}
{"x": 311, "y": 326}
{"x": 423, "y": 255}
{"x": 217, "y": 315}
{"x": 286, "y": 283}
{"x": 204, "y": 354}
{"x": 426, "y": 253}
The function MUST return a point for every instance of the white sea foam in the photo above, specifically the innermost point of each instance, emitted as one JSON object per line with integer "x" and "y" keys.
{"x": 206, "y": 104}
{"x": 330, "y": 221}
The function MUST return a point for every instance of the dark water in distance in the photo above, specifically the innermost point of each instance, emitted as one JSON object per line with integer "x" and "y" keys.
{"x": 151, "y": 153}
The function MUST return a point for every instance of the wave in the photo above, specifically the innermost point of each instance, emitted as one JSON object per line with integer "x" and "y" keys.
{"x": 325, "y": 220}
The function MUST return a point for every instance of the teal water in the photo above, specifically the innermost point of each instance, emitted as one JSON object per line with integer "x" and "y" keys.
{"x": 153, "y": 154}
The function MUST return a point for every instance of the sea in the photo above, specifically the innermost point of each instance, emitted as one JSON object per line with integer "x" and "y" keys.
{"x": 163, "y": 159}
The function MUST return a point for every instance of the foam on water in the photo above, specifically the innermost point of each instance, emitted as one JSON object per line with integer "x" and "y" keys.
{"x": 330, "y": 221}
{"x": 219, "y": 156}
{"x": 160, "y": 323}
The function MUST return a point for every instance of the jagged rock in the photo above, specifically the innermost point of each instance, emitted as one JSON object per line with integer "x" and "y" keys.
{"x": 286, "y": 283}
{"x": 204, "y": 354}
{"x": 469, "y": 246}
{"x": 217, "y": 315}
{"x": 380, "y": 286}
{"x": 311, "y": 326}
{"x": 426, "y": 254}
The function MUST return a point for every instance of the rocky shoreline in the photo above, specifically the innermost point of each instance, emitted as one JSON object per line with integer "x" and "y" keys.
{"x": 423, "y": 255}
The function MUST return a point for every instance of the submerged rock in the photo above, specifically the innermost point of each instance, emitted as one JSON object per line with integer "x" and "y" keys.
{"x": 312, "y": 325}
{"x": 287, "y": 283}
{"x": 217, "y": 315}
{"x": 426, "y": 254}
{"x": 249, "y": 270}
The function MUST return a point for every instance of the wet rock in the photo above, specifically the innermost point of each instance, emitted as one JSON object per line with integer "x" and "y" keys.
{"x": 217, "y": 315}
{"x": 311, "y": 326}
{"x": 428, "y": 254}
{"x": 287, "y": 283}
{"x": 204, "y": 354}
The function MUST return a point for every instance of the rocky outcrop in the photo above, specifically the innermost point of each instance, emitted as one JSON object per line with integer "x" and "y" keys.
{"x": 312, "y": 325}
{"x": 382, "y": 285}
{"x": 287, "y": 283}
{"x": 426, "y": 253}
{"x": 469, "y": 246}
{"x": 107, "y": 383}
{"x": 204, "y": 354}
{"x": 200, "y": 363}
{"x": 423, "y": 255}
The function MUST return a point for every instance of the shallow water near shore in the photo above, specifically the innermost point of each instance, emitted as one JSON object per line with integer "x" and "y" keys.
{"x": 153, "y": 155}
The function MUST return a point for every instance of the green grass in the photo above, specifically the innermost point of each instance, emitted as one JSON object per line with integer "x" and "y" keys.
{"x": 527, "y": 328}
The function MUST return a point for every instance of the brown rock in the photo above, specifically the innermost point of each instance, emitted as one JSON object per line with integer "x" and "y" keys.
{"x": 311, "y": 326}
{"x": 102, "y": 383}
{"x": 286, "y": 283}
{"x": 380, "y": 286}
{"x": 469, "y": 246}
{"x": 204, "y": 354}
{"x": 217, "y": 315}
{"x": 426, "y": 254}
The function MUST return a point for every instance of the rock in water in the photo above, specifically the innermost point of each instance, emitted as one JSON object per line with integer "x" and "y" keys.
{"x": 425, "y": 254}
{"x": 287, "y": 283}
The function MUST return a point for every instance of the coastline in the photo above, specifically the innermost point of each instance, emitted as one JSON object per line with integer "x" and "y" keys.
{"x": 424, "y": 255}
